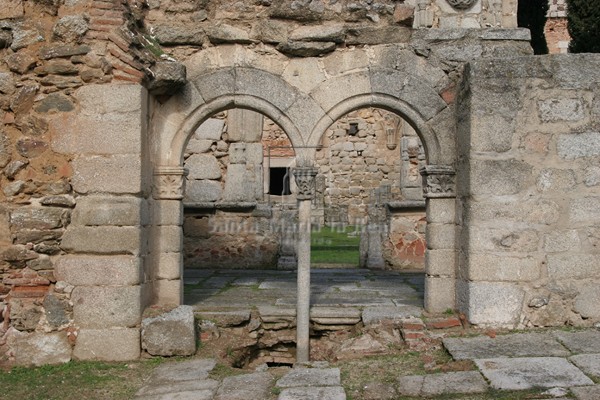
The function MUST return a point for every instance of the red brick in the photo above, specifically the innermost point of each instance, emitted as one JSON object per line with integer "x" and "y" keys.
{"x": 411, "y": 335}
{"x": 121, "y": 76}
{"x": 97, "y": 35}
{"x": 444, "y": 323}
{"x": 107, "y": 21}
{"x": 119, "y": 41}
{"x": 29, "y": 291}
{"x": 103, "y": 5}
{"x": 413, "y": 326}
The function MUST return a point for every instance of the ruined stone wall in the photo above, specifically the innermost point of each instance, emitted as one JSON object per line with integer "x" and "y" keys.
{"x": 529, "y": 186}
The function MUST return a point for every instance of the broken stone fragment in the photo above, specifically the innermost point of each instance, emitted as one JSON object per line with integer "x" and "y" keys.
{"x": 306, "y": 49}
{"x": 14, "y": 167}
{"x": 170, "y": 334}
{"x": 167, "y": 78}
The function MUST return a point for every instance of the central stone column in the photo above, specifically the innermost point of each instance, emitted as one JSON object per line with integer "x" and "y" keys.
{"x": 305, "y": 182}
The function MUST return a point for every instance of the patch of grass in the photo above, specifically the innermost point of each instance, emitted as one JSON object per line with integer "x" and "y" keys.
{"x": 76, "y": 380}
{"x": 222, "y": 371}
{"x": 335, "y": 246}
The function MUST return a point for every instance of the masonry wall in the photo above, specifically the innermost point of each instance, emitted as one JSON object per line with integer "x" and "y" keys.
{"x": 529, "y": 191}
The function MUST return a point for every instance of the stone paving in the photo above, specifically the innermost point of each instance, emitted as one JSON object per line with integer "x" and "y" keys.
{"x": 375, "y": 294}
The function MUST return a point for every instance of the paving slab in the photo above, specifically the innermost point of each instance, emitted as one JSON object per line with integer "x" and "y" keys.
{"x": 183, "y": 371}
{"x": 512, "y": 345}
{"x": 189, "y": 395}
{"x": 373, "y": 315}
{"x": 245, "y": 387}
{"x": 313, "y": 393}
{"x": 580, "y": 342}
{"x": 532, "y": 372}
{"x": 586, "y": 392}
{"x": 158, "y": 388}
{"x": 464, "y": 382}
{"x": 310, "y": 377}
{"x": 588, "y": 363}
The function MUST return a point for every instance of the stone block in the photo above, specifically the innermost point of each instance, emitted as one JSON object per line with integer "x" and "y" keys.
{"x": 305, "y": 49}
{"x": 492, "y": 303}
{"x": 214, "y": 84}
{"x": 586, "y": 302}
{"x": 103, "y": 240}
{"x": 440, "y": 262}
{"x": 179, "y": 34}
{"x": 211, "y": 129}
{"x": 586, "y": 392}
{"x": 40, "y": 348}
{"x": 263, "y": 85}
{"x": 588, "y": 363}
{"x": 571, "y": 146}
{"x": 199, "y": 145}
{"x": 203, "y": 166}
{"x": 165, "y": 239}
{"x": 249, "y": 386}
{"x": 441, "y": 211}
{"x": 170, "y": 334}
{"x": 108, "y": 344}
{"x": 12, "y": 9}
{"x": 500, "y": 267}
{"x": 168, "y": 292}
{"x": 98, "y": 270}
{"x": 110, "y": 210}
{"x": 168, "y": 265}
{"x": 586, "y": 210}
{"x": 580, "y": 342}
{"x": 242, "y": 183}
{"x": 203, "y": 190}
{"x": 244, "y": 125}
{"x": 440, "y": 236}
{"x": 40, "y": 218}
{"x": 303, "y": 377}
{"x": 499, "y": 177}
{"x": 313, "y": 393}
{"x": 337, "y": 89}
{"x": 118, "y": 174}
{"x": 573, "y": 266}
{"x": 242, "y": 153}
{"x": 111, "y": 99}
{"x": 561, "y": 109}
{"x": 304, "y": 73}
{"x": 377, "y": 314}
{"x": 453, "y": 382}
{"x": 107, "y": 306}
{"x": 166, "y": 212}
{"x": 439, "y": 294}
{"x": 559, "y": 241}
{"x": 506, "y": 240}
{"x": 558, "y": 180}
{"x": 529, "y": 373}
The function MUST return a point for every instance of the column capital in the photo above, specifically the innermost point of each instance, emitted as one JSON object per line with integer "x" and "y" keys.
{"x": 169, "y": 183}
{"x": 439, "y": 181}
{"x": 305, "y": 181}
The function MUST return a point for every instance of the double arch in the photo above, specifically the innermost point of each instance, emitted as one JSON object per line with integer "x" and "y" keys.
{"x": 305, "y": 111}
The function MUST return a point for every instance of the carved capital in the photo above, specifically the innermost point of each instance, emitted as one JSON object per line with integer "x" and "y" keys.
{"x": 169, "y": 183}
{"x": 439, "y": 181}
{"x": 305, "y": 181}
{"x": 462, "y": 4}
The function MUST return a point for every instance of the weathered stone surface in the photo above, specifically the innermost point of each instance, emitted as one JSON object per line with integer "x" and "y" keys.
{"x": 168, "y": 77}
{"x": 586, "y": 392}
{"x": 14, "y": 167}
{"x": 306, "y": 49}
{"x": 270, "y": 31}
{"x": 178, "y": 34}
{"x": 585, "y": 209}
{"x": 580, "y": 342}
{"x": 588, "y": 363}
{"x": 194, "y": 389}
{"x": 23, "y": 37}
{"x": 203, "y": 190}
{"x": 31, "y": 147}
{"x": 512, "y": 345}
{"x": 98, "y": 270}
{"x": 23, "y": 100}
{"x": 198, "y": 146}
{"x": 528, "y": 373}
{"x": 107, "y": 344}
{"x": 243, "y": 387}
{"x": 572, "y": 265}
{"x": 211, "y": 129}
{"x": 170, "y": 334}
{"x": 373, "y": 315}
{"x": 242, "y": 184}
{"x": 11, "y": 9}
{"x": 555, "y": 110}
{"x": 333, "y": 33}
{"x": 499, "y": 177}
{"x": 376, "y": 35}
{"x": 55, "y": 102}
{"x": 101, "y": 307}
{"x": 305, "y": 377}
{"x": 224, "y": 33}
{"x": 191, "y": 370}
{"x": 70, "y": 28}
{"x": 225, "y": 319}
{"x": 493, "y": 303}
{"x": 103, "y": 240}
{"x": 203, "y": 166}
{"x": 571, "y": 146}
{"x": 63, "y": 51}
{"x": 439, "y": 384}
{"x": 505, "y": 268}
{"x": 586, "y": 302}
{"x": 110, "y": 210}
{"x": 56, "y": 311}
{"x": 312, "y": 393}
{"x": 7, "y": 83}
{"x": 96, "y": 174}
{"x": 41, "y": 348}
{"x": 20, "y": 62}
{"x": 5, "y": 150}
{"x": 39, "y": 218}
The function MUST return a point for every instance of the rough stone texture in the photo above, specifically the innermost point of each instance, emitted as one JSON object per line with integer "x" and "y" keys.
{"x": 313, "y": 393}
{"x": 106, "y": 306}
{"x": 439, "y": 384}
{"x": 580, "y": 342}
{"x": 586, "y": 392}
{"x": 41, "y": 348}
{"x": 203, "y": 166}
{"x": 373, "y": 315}
{"x": 98, "y": 270}
{"x": 197, "y": 369}
{"x": 170, "y": 334}
{"x": 588, "y": 363}
{"x": 493, "y": 303}
{"x": 512, "y": 345}
{"x": 252, "y": 386}
{"x": 100, "y": 344}
{"x": 96, "y": 174}
{"x": 105, "y": 210}
{"x": 103, "y": 239}
{"x": 528, "y": 373}
{"x": 303, "y": 377}
{"x": 573, "y": 146}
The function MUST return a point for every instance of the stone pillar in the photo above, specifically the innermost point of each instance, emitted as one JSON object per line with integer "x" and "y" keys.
{"x": 440, "y": 258}
{"x": 166, "y": 235}
{"x": 305, "y": 182}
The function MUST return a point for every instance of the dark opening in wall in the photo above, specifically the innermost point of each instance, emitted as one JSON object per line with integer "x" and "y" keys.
{"x": 279, "y": 181}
